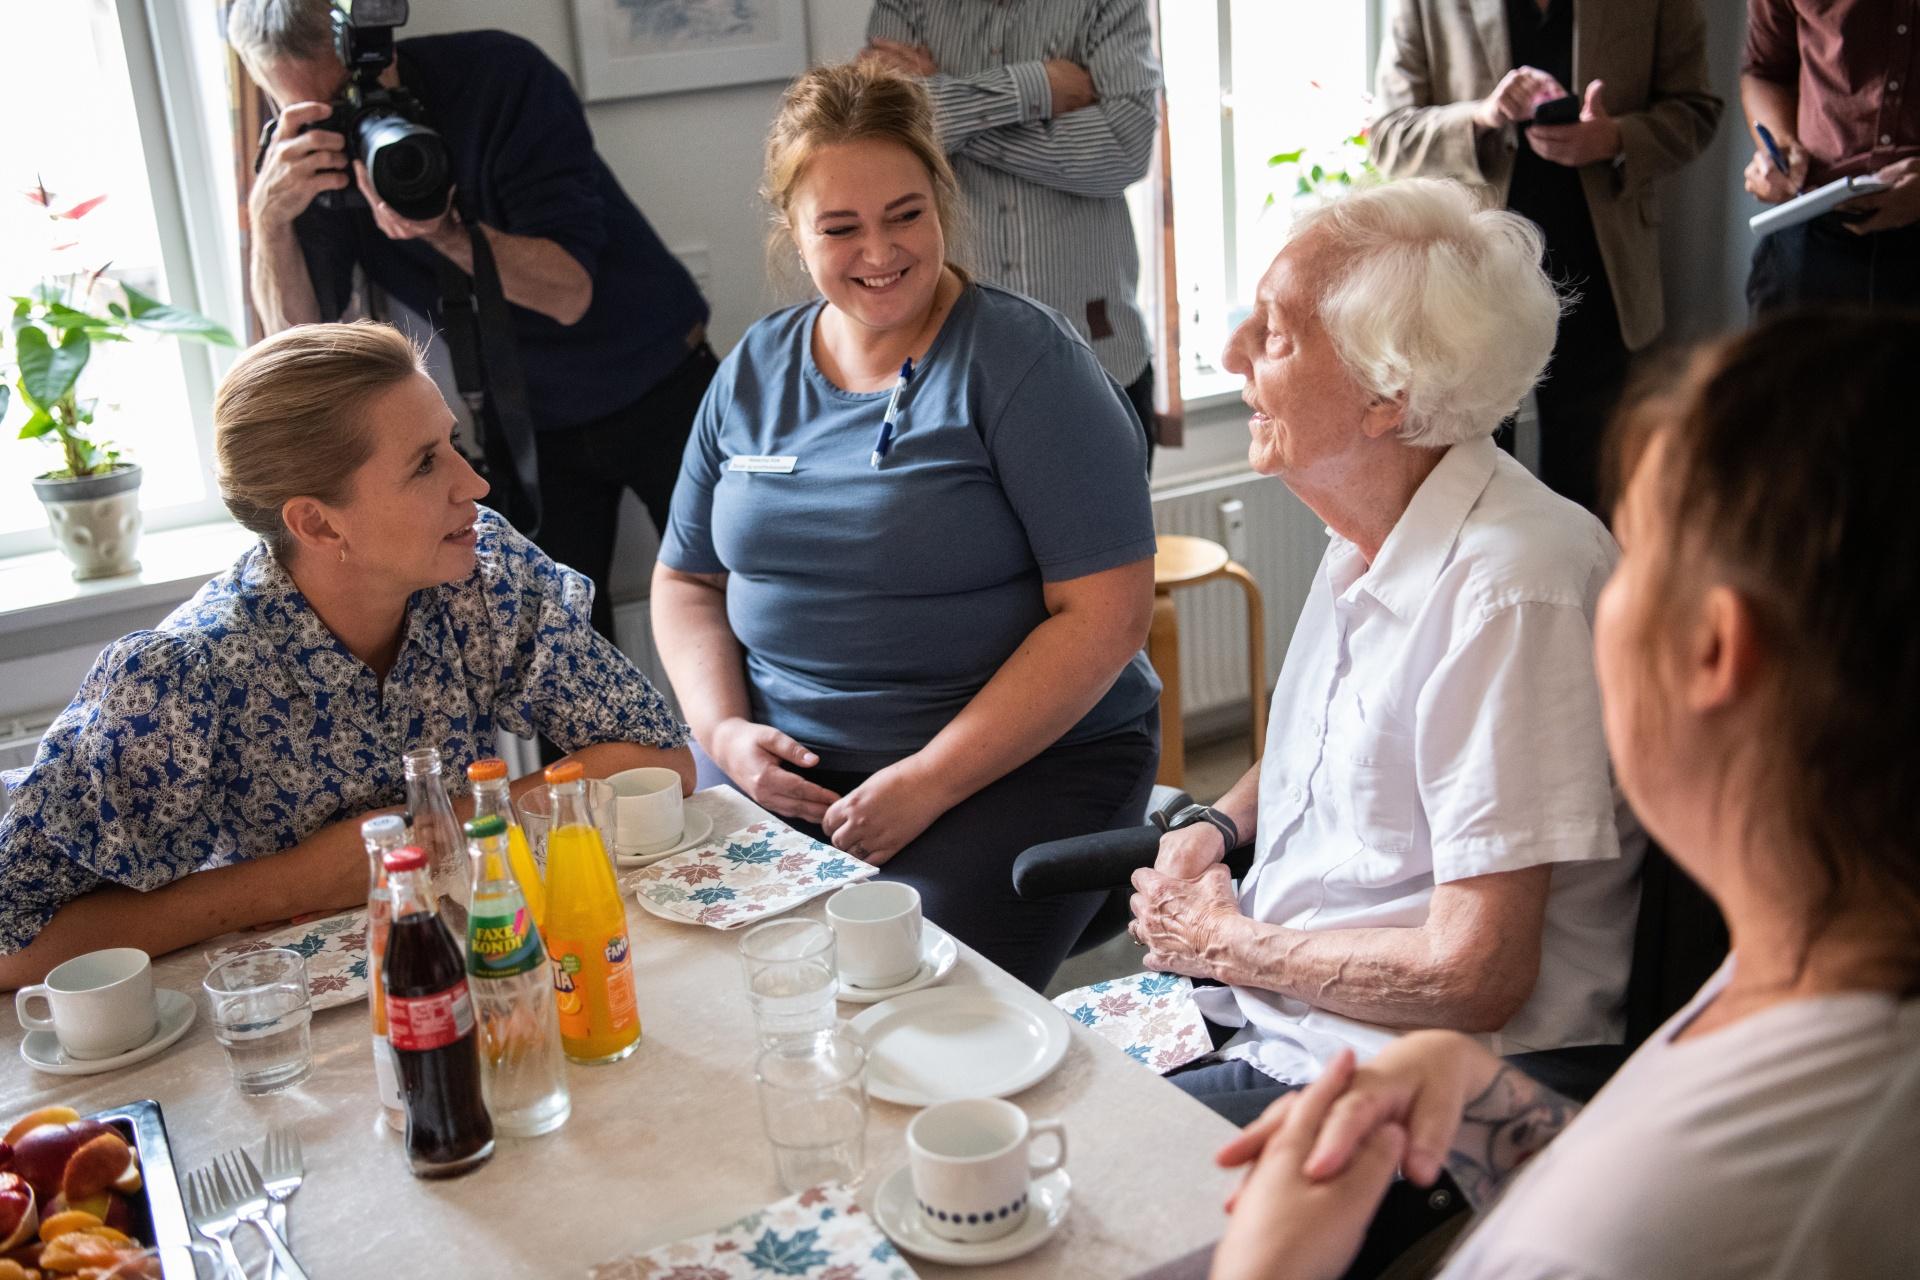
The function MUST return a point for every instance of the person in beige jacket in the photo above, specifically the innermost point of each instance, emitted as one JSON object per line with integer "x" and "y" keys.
{"x": 1456, "y": 89}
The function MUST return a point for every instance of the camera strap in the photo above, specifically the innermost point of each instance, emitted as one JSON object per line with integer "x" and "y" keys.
{"x": 486, "y": 367}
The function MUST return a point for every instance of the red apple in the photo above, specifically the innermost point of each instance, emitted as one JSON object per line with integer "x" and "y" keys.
{"x": 19, "y": 1218}
{"x": 40, "y": 1155}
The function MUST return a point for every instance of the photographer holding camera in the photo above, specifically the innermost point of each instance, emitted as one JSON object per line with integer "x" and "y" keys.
{"x": 436, "y": 163}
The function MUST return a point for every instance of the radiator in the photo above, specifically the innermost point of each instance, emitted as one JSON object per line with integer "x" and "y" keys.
{"x": 1282, "y": 546}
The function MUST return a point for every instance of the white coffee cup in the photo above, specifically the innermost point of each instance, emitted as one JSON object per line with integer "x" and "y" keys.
{"x": 876, "y": 929}
{"x": 971, "y": 1168}
{"x": 647, "y": 812}
{"x": 100, "y": 1004}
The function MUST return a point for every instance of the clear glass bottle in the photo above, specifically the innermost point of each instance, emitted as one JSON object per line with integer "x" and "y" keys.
{"x": 491, "y": 796}
{"x": 431, "y": 1026}
{"x": 382, "y": 835}
{"x": 432, "y": 828}
{"x": 521, "y": 1065}
{"x": 587, "y": 931}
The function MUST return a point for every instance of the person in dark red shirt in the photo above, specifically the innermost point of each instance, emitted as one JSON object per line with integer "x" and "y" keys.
{"x": 1832, "y": 81}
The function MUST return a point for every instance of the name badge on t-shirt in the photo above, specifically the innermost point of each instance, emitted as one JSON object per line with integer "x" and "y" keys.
{"x": 779, "y": 465}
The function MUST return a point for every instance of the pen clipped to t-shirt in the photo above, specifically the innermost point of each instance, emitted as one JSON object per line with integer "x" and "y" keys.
{"x": 890, "y": 421}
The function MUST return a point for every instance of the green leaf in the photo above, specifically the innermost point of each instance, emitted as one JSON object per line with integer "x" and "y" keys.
{"x": 62, "y": 316}
{"x": 1286, "y": 157}
{"x": 38, "y": 425}
{"x": 162, "y": 317}
{"x": 48, "y": 372}
{"x": 117, "y": 311}
{"x": 1317, "y": 173}
{"x": 1303, "y": 187}
{"x": 6, "y": 397}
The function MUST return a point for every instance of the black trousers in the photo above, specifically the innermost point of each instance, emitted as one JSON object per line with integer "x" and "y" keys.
{"x": 1823, "y": 262}
{"x": 1577, "y": 397}
{"x": 584, "y": 470}
{"x": 1140, "y": 396}
{"x": 963, "y": 864}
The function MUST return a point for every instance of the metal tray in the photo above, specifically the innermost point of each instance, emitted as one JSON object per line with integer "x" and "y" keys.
{"x": 159, "y": 1215}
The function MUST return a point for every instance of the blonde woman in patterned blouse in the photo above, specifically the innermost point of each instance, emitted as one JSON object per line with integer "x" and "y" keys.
{"x": 212, "y": 773}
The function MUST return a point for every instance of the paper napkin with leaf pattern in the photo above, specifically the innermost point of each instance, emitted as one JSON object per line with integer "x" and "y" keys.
{"x": 1151, "y": 1017}
{"x": 335, "y": 948}
{"x": 747, "y": 875}
{"x": 820, "y": 1234}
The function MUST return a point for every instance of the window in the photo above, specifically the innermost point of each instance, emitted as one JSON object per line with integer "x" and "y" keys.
{"x": 83, "y": 113}
{"x": 1248, "y": 80}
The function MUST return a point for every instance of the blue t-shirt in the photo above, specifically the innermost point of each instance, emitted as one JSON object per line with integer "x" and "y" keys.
{"x": 874, "y": 603}
{"x": 523, "y": 158}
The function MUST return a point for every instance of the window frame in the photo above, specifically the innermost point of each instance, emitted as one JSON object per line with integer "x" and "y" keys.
{"x": 196, "y": 260}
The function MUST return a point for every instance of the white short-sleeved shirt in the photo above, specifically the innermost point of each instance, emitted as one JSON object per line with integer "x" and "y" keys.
{"x": 1438, "y": 718}
{"x": 1781, "y": 1147}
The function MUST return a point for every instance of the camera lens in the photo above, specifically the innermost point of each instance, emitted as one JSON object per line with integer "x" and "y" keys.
{"x": 408, "y": 164}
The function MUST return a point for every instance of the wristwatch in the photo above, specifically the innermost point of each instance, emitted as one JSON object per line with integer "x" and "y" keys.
{"x": 1195, "y": 813}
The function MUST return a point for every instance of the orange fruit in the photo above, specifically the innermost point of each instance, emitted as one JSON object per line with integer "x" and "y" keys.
{"x": 34, "y": 1119}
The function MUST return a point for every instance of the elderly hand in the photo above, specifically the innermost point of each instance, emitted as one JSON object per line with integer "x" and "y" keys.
{"x": 1186, "y": 853}
{"x": 907, "y": 59}
{"x": 1285, "y": 1224}
{"x": 1899, "y": 207}
{"x": 395, "y": 227}
{"x": 1595, "y": 138}
{"x": 1767, "y": 182}
{"x": 884, "y": 814}
{"x": 752, "y": 755}
{"x": 1185, "y": 925}
{"x": 1514, "y": 98}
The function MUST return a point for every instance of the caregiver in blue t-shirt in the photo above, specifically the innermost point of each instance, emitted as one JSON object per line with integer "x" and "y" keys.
{"x": 932, "y": 656}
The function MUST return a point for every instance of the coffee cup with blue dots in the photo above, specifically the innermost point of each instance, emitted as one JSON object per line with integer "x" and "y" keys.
{"x": 972, "y": 1168}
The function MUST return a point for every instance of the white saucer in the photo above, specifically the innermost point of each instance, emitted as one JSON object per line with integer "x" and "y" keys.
{"x": 894, "y": 1209}
{"x": 42, "y": 1050}
{"x": 938, "y": 953}
{"x": 959, "y": 1042}
{"x": 698, "y": 827}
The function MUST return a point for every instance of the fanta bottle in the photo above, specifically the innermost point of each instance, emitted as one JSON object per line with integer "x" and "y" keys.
{"x": 586, "y": 931}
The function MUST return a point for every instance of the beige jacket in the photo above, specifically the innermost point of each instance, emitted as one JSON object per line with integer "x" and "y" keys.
{"x": 1441, "y": 57}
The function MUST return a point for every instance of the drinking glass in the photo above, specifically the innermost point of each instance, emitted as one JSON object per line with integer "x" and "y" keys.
{"x": 535, "y": 807}
{"x": 813, "y": 1102}
{"x": 792, "y": 981}
{"x": 262, "y": 1016}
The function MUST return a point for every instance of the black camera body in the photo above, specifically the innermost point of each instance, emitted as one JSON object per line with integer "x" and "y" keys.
{"x": 406, "y": 158}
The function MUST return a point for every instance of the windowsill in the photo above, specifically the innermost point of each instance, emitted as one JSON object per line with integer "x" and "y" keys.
{"x": 39, "y": 590}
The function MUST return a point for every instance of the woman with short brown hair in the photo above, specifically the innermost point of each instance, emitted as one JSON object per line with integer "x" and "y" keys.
{"x": 382, "y": 610}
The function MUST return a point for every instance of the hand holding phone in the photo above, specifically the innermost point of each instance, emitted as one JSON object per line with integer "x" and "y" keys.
{"x": 1565, "y": 110}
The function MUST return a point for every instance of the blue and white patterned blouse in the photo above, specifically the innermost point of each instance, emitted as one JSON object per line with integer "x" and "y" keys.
{"x": 240, "y": 726}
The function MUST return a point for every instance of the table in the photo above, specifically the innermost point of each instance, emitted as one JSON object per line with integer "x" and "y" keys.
{"x": 663, "y": 1145}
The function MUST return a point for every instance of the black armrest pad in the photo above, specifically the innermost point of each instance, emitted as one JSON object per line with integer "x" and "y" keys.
{"x": 1104, "y": 860}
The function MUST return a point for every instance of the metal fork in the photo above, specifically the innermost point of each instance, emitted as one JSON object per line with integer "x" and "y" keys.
{"x": 284, "y": 1166}
{"x": 213, "y": 1215}
{"x": 241, "y": 1181}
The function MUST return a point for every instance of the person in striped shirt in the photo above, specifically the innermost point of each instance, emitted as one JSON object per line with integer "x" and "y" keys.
{"x": 1047, "y": 110}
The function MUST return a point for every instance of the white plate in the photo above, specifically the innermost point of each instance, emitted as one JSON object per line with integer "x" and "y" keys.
{"x": 42, "y": 1050}
{"x": 938, "y": 953}
{"x": 959, "y": 1042}
{"x": 898, "y": 1215}
{"x": 698, "y": 827}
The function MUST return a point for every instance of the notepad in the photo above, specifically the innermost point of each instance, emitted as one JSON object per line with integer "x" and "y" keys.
{"x": 1813, "y": 203}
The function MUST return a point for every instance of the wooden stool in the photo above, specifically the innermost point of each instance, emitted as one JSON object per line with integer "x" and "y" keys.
{"x": 1181, "y": 561}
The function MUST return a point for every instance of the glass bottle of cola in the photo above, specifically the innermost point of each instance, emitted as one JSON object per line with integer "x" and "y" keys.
{"x": 430, "y": 1025}
{"x": 432, "y": 828}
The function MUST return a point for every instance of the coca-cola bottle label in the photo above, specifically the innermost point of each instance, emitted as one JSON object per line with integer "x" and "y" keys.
{"x": 419, "y": 1023}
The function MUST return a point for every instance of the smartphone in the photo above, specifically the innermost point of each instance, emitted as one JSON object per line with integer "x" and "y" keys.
{"x": 1558, "y": 111}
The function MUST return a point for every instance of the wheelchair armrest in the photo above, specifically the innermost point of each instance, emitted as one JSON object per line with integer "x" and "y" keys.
{"x": 1104, "y": 860}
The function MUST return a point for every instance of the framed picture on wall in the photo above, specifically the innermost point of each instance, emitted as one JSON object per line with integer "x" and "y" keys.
{"x": 632, "y": 48}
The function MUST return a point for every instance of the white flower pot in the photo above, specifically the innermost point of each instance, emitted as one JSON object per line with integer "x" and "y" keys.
{"x": 95, "y": 520}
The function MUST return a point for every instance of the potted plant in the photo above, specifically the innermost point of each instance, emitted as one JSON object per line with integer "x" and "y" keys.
{"x": 92, "y": 500}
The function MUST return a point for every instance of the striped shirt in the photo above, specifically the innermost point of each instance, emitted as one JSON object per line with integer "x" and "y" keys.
{"x": 1044, "y": 196}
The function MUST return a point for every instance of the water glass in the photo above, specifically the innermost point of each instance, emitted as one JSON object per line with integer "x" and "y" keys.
{"x": 535, "y": 810}
{"x": 792, "y": 981}
{"x": 813, "y": 1102}
{"x": 262, "y": 1016}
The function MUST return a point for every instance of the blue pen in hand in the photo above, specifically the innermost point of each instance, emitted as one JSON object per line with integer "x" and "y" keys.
{"x": 892, "y": 418}
{"x": 1773, "y": 150}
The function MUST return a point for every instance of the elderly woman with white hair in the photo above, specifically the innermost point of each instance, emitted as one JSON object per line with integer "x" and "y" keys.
{"x": 1438, "y": 839}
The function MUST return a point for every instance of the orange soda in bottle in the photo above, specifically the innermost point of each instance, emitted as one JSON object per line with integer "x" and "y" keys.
{"x": 489, "y": 778}
{"x": 586, "y": 931}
